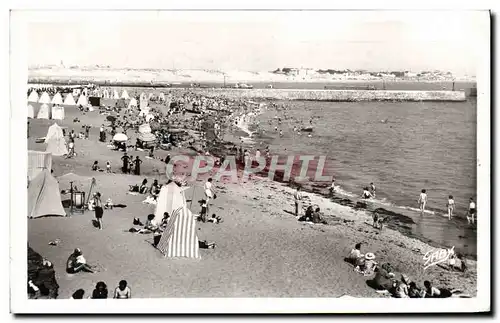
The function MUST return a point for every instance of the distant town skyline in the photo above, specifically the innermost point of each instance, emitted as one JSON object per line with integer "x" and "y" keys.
{"x": 262, "y": 41}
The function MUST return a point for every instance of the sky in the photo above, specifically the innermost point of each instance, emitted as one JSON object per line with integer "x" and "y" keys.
{"x": 260, "y": 41}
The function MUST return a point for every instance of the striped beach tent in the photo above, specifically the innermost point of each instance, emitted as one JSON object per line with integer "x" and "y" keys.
{"x": 44, "y": 98}
{"x": 69, "y": 100}
{"x": 116, "y": 96}
{"x": 125, "y": 95}
{"x": 33, "y": 97}
{"x": 38, "y": 161}
{"x": 57, "y": 99}
{"x": 179, "y": 238}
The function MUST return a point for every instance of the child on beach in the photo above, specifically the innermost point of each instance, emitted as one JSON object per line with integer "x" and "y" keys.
{"x": 108, "y": 167}
{"x": 451, "y": 206}
{"x": 122, "y": 291}
{"x": 355, "y": 254}
{"x": 98, "y": 209}
{"x": 472, "y": 211}
{"x": 422, "y": 201}
{"x": 332, "y": 187}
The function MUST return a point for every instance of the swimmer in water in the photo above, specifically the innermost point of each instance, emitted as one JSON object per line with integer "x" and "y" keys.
{"x": 422, "y": 201}
{"x": 372, "y": 189}
{"x": 451, "y": 206}
{"x": 366, "y": 193}
{"x": 472, "y": 211}
{"x": 309, "y": 136}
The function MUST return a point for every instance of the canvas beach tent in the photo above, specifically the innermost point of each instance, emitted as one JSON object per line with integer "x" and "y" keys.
{"x": 171, "y": 197}
{"x": 38, "y": 161}
{"x": 132, "y": 103}
{"x": 116, "y": 96}
{"x": 143, "y": 104}
{"x": 105, "y": 94}
{"x": 58, "y": 112}
{"x": 44, "y": 112}
{"x": 150, "y": 95}
{"x": 44, "y": 98}
{"x": 33, "y": 97}
{"x": 56, "y": 144}
{"x": 57, "y": 99}
{"x": 69, "y": 100}
{"x": 161, "y": 97}
{"x": 44, "y": 197}
{"x": 142, "y": 96}
{"x": 82, "y": 100}
{"x": 179, "y": 237}
{"x": 125, "y": 95}
{"x": 31, "y": 111}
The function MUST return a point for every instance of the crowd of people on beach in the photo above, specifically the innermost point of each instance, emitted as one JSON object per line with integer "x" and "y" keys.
{"x": 240, "y": 115}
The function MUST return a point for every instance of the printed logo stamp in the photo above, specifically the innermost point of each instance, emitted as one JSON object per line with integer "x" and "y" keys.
{"x": 437, "y": 256}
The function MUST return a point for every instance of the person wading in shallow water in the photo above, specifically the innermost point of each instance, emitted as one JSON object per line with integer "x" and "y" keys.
{"x": 125, "y": 159}
{"x": 138, "y": 163}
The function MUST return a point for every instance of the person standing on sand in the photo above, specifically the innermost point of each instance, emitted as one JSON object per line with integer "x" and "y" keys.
{"x": 332, "y": 187}
{"x": 298, "y": 200}
{"x": 138, "y": 163}
{"x": 209, "y": 192}
{"x": 125, "y": 159}
{"x": 451, "y": 206}
{"x": 98, "y": 209}
{"x": 422, "y": 201}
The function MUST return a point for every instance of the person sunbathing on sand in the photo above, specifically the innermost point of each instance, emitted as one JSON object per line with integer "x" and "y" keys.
{"x": 433, "y": 292}
{"x": 355, "y": 254}
{"x": 367, "y": 267}
{"x": 76, "y": 263}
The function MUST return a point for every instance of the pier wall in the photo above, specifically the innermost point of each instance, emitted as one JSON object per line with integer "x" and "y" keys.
{"x": 336, "y": 95}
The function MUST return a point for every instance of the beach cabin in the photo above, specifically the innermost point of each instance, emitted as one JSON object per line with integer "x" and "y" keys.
{"x": 57, "y": 99}
{"x": 44, "y": 98}
{"x": 58, "y": 112}
{"x": 44, "y": 112}
{"x": 69, "y": 100}
{"x": 31, "y": 111}
{"x": 33, "y": 97}
{"x": 125, "y": 95}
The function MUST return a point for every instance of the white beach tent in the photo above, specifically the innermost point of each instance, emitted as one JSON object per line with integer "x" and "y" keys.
{"x": 56, "y": 144}
{"x": 150, "y": 95}
{"x": 132, "y": 103}
{"x": 69, "y": 100}
{"x": 143, "y": 104}
{"x": 58, "y": 112}
{"x": 57, "y": 99}
{"x": 142, "y": 96}
{"x": 33, "y": 96}
{"x": 31, "y": 111}
{"x": 44, "y": 112}
{"x": 116, "y": 96}
{"x": 44, "y": 98}
{"x": 105, "y": 94}
{"x": 171, "y": 197}
{"x": 125, "y": 95}
{"x": 38, "y": 161}
{"x": 161, "y": 96}
{"x": 44, "y": 197}
{"x": 82, "y": 100}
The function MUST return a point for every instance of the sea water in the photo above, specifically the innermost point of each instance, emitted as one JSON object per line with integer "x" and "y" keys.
{"x": 402, "y": 147}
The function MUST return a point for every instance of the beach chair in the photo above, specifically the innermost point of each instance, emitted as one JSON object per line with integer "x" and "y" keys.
{"x": 78, "y": 202}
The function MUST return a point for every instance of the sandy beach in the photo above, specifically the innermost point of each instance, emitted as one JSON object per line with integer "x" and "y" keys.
{"x": 262, "y": 250}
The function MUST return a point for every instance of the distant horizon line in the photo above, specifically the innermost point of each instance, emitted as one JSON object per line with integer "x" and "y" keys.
{"x": 38, "y": 66}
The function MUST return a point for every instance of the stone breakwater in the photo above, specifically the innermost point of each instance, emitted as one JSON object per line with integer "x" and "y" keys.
{"x": 334, "y": 95}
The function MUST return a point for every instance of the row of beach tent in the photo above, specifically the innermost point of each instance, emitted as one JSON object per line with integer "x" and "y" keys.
{"x": 69, "y": 100}
{"x": 46, "y": 112}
